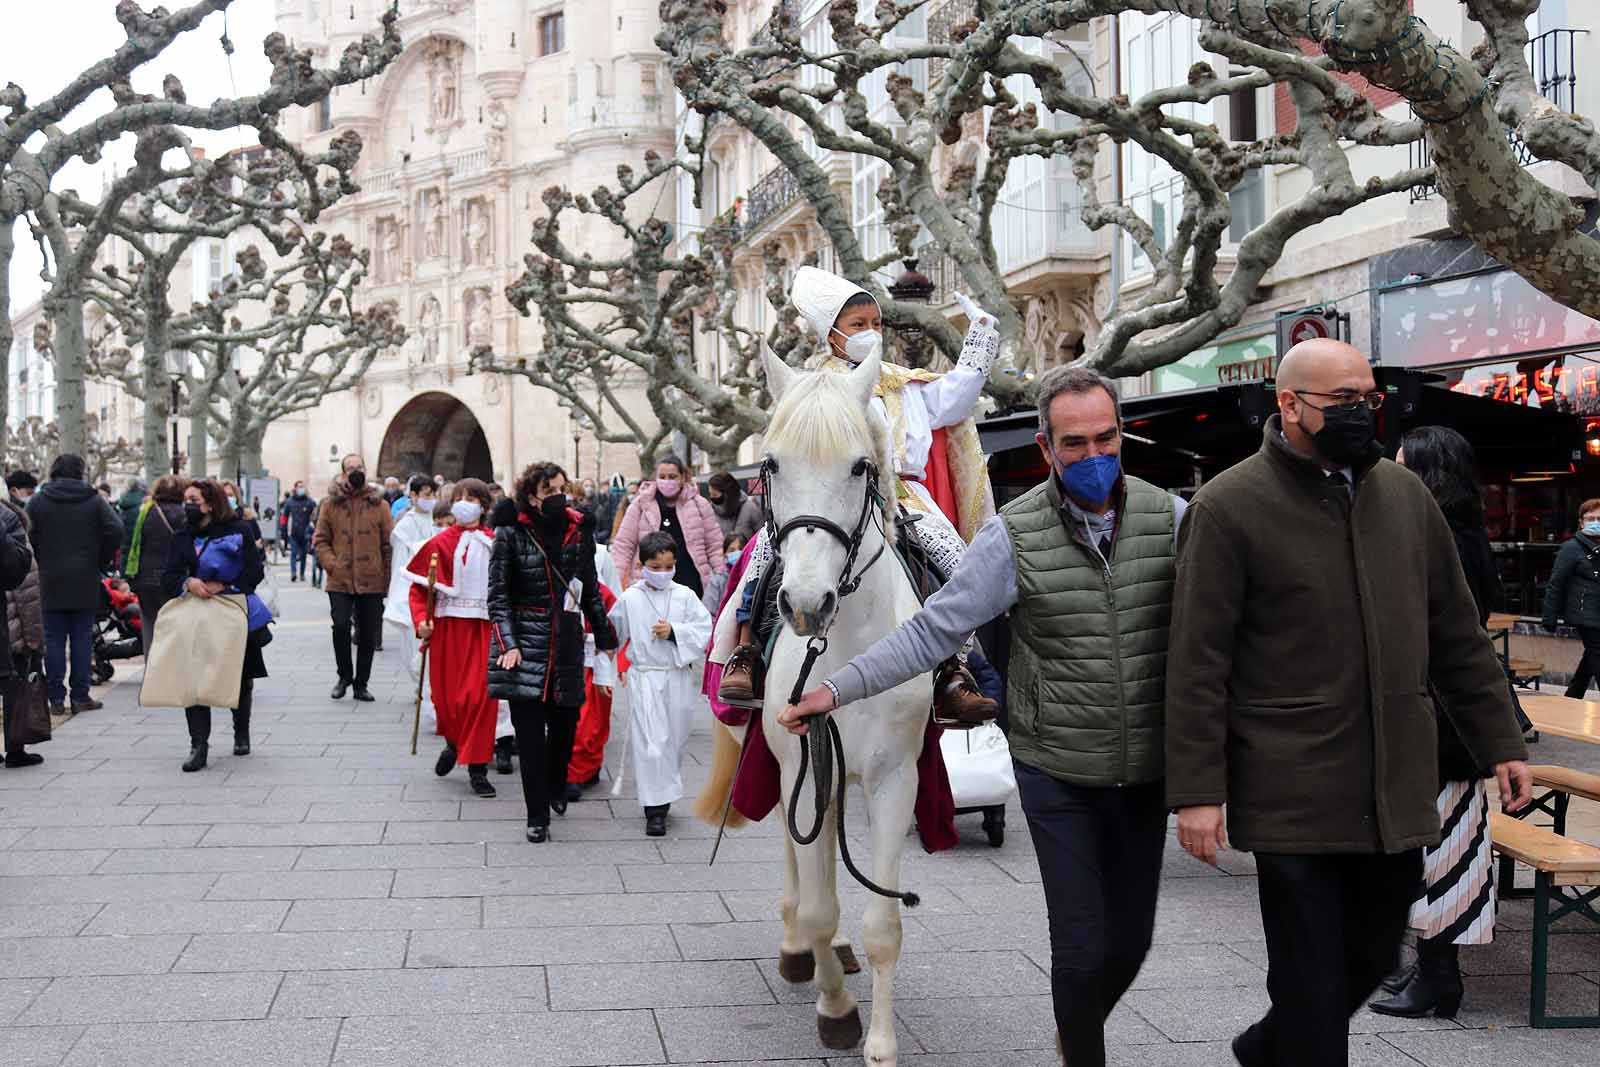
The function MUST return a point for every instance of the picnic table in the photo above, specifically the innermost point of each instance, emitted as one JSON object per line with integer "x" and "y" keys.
{"x": 1576, "y": 720}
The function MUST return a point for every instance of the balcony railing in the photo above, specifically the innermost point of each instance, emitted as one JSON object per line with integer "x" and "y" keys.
{"x": 777, "y": 189}
{"x": 461, "y": 165}
{"x": 1553, "y": 61}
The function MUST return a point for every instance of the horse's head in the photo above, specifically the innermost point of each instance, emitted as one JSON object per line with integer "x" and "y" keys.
{"x": 828, "y": 466}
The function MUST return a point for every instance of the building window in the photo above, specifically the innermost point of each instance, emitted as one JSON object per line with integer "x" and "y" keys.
{"x": 1248, "y": 200}
{"x": 216, "y": 266}
{"x": 325, "y": 114}
{"x": 553, "y": 34}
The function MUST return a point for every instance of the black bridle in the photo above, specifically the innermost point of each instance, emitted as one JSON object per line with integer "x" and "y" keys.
{"x": 823, "y": 744}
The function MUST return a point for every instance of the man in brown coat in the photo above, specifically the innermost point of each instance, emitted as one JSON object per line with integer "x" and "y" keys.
{"x": 352, "y": 545}
{"x": 1318, "y": 597}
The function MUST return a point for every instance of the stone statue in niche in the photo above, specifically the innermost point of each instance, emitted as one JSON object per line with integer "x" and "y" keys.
{"x": 476, "y": 227}
{"x": 435, "y": 224}
{"x": 444, "y": 80}
{"x": 428, "y": 324}
{"x": 496, "y": 137}
{"x": 388, "y": 250}
{"x": 480, "y": 326}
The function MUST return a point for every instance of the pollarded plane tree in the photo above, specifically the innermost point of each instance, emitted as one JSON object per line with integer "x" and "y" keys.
{"x": 273, "y": 336}
{"x": 793, "y": 98}
{"x": 636, "y": 317}
{"x": 38, "y": 139}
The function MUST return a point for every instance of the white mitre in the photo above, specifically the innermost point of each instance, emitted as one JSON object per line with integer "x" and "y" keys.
{"x": 820, "y": 297}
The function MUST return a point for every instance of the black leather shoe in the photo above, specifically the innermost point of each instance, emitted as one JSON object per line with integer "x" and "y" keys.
{"x": 538, "y": 835}
{"x": 241, "y": 743}
{"x": 574, "y": 793}
{"x": 559, "y": 806}
{"x": 655, "y": 825}
{"x": 197, "y": 756}
{"x": 502, "y": 759}
{"x": 446, "y": 761}
{"x": 364, "y": 695}
{"x": 478, "y": 776}
{"x": 20, "y": 758}
{"x": 1247, "y": 1048}
{"x": 87, "y": 704}
{"x": 1398, "y": 979}
{"x": 1434, "y": 989}
{"x": 340, "y": 689}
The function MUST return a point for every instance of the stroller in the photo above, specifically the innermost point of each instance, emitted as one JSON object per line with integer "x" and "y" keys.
{"x": 118, "y": 627}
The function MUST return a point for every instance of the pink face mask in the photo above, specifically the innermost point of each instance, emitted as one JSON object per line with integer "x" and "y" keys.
{"x": 669, "y": 489}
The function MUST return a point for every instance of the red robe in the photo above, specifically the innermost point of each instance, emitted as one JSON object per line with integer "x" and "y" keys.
{"x": 594, "y": 722}
{"x": 458, "y": 654}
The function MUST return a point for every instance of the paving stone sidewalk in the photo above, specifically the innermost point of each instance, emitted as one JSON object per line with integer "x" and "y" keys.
{"x": 327, "y": 900}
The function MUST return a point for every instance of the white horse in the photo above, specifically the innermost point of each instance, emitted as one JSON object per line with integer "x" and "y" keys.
{"x": 824, "y": 447}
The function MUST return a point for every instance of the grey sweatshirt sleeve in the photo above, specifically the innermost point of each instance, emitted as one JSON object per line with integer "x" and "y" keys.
{"x": 983, "y": 586}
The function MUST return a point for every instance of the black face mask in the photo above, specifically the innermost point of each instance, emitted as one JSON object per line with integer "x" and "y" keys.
{"x": 193, "y": 513}
{"x": 1348, "y": 436}
{"x": 357, "y": 480}
{"x": 553, "y": 513}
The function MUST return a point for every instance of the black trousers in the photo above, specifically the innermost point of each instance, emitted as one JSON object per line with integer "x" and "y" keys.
{"x": 1333, "y": 925}
{"x": 8, "y": 694}
{"x": 1589, "y": 665}
{"x": 1099, "y": 856}
{"x": 544, "y": 748}
{"x": 365, "y": 611}
{"x": 199, "y": 716}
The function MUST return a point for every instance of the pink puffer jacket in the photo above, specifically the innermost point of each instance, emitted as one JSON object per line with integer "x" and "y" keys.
{"x": 701, "y": 532}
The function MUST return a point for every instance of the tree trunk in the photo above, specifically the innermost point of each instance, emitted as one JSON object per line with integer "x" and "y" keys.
{"x": 199, "y": 429}
{"x": 8, "y": 247}
{"x": 157, "y": 398}
{"x": 250, "y": 446}
{"x": 69, "y": 350}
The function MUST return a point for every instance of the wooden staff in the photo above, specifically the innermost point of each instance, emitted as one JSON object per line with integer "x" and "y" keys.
{"x": 422, "y": 671}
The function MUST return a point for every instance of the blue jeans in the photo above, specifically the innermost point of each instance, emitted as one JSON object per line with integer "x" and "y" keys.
{"x": 299, "y": 548}
{"x": 59, "y": 626}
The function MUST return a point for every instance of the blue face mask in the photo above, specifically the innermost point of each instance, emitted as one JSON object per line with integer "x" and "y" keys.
{"x": 1592, "y": 529}
{"x": 1091, "y": 479}
{"x": 733, "y": 557}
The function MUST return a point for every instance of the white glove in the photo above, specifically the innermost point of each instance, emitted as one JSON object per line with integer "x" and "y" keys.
{"x": 975, "y": 314}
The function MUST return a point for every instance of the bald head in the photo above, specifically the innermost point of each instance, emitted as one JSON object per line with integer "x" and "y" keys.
{"x": 1320, "y": 365}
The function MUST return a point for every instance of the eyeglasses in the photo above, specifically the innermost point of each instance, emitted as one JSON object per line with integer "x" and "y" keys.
{"x": 1346, "y": 401}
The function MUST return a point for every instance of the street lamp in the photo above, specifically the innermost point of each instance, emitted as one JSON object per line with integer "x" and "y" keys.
{"x": 912, "y": 287}
{"x": 581, "y": 424}
{"x": 175, "y": 368}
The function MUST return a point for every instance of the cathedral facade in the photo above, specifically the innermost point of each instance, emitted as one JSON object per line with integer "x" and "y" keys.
{"x": 491, "y": 103}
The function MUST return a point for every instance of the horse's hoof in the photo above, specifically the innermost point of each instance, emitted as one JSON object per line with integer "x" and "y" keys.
{"x": 796, "y": 967}
{"x": 842, "y": 1033}
{"x": 847, "y": 959}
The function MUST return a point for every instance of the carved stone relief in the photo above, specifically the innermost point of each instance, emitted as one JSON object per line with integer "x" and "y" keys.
{"x": 495, "y": 139}
{"x": 477, "y": 227}
{"x": 480, "y": 323}
{"x": 435, "y": 222}
{"x": 429, "y": 322}
{"x": 444, "y": 86}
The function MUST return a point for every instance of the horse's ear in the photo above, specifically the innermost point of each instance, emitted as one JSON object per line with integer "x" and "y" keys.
{"x": 864, "y": 379}
{"x": 779, "y": 373}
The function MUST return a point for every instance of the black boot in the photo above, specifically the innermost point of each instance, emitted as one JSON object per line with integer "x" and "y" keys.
{"x": 655, "y": 820}
{"x": 446, "y": 761}
{"x": 502, "y": 755}
{"x": 241, "y": 720}
{"x": 1398, "y": 979}
{"x": 199, "y": 718}
{"x": 478, "y": 777}
{"x": 1436, "y": 988}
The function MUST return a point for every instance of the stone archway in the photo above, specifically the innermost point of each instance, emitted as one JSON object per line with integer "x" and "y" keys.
{"x": 435, "y": 433}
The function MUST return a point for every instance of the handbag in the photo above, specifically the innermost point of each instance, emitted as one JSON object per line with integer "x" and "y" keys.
{"x": 267, "y": 593}
{"x": 197, "y": 653}
{"x": 979, "y": 764}
{"x": 30, "y": 703}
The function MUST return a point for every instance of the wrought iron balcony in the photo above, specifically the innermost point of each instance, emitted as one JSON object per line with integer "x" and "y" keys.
{"x": 769, "y": 196}
{"x": 1553, "y": 61}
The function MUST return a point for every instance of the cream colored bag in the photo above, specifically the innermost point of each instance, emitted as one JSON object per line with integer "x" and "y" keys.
{"x": 197, "y": 654}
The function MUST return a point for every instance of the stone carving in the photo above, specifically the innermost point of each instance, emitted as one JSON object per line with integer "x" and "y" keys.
{"x": 371, "y": 401}
{"x": 435, "y": 224}
{"x": 493, "y": 389}
{"x": 499, "y": 121}
{"x": 444, "y": 84}
{"x": 476, "y": 225}
{"x": 428, "y": 327}
{"x": 389, "y": 254}
{"x": 480, "y": 324}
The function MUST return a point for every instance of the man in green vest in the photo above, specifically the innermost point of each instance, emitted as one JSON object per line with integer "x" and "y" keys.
{"x": 1085, "y": 564}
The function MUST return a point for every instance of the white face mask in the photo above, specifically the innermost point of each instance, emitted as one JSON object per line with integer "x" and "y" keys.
{"x": 426, "y": 504}
{"x": 466, "y": 512}
{"x": 658, "y": 579}
{"x": 858, "y": 347}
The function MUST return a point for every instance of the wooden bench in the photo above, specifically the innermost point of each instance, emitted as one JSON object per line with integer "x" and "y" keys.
{"x": 1566, "y": 881}
{"x": 1523, "y": 672}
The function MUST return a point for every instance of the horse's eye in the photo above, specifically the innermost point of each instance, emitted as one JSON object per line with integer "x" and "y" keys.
{"x": 859, "y": 469}
{"x": 772, "y": 465}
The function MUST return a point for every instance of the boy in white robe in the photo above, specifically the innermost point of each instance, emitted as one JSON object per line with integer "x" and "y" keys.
{"x": 669, "y": 629}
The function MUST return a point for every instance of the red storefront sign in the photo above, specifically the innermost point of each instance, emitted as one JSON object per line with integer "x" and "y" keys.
{"x": 1567, "y": 384}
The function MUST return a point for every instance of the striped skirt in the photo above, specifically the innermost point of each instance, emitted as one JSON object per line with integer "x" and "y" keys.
{"x": 1457, "y": 903}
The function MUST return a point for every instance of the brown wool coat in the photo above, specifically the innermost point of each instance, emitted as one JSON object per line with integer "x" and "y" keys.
{"x": 352, "y": 541}
{"x": 1305, "y": 631}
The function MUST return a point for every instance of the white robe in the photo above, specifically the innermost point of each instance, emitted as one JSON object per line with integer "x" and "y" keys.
{"x": 663, "y": 683}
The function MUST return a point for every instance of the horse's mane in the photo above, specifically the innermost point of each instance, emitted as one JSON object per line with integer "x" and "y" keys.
{"x": 819, "y": 420}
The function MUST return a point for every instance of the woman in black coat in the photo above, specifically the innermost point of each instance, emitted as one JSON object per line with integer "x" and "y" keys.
{"x": 209, "y": 517}
{"x": 542, "y": 586}
{"x": 159, "y": 521}
{"x": 1457, "y": 905}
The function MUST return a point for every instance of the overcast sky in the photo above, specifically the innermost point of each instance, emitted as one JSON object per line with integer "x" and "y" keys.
{"x": 47, "y": 43}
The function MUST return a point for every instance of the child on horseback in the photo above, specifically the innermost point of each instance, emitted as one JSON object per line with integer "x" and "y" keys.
{"x": 943, "y": 477}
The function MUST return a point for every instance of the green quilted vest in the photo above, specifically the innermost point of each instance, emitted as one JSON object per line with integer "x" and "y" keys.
{"x": 1088, "y": 672}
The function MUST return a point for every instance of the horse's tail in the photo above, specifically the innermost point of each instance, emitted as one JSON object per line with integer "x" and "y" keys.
{"x": 713, "y": 798}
